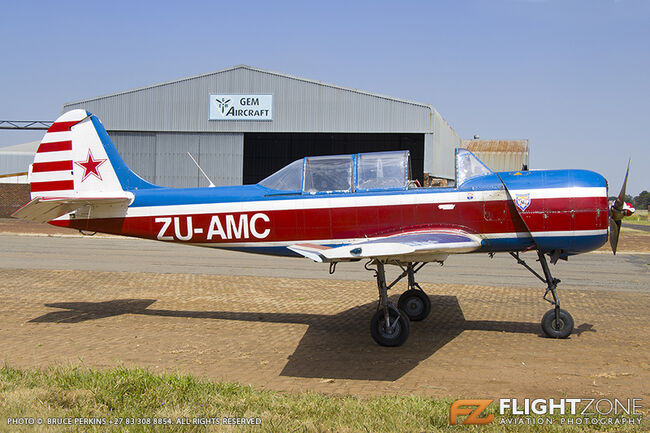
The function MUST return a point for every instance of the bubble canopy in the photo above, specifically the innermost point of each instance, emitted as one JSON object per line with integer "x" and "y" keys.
{"x": 377, "y": 171}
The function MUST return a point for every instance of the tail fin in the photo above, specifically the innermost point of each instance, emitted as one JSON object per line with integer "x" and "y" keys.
{"x": 77, "y": 167}
{"x": 76, "y": 158}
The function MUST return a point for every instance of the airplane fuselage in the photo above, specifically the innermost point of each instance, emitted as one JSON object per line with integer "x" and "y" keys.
{"x": 563, "y": 210}
{"x": 334, "y": 208}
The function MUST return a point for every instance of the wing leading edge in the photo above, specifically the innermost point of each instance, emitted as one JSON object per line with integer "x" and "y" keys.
{"x": 400, "y": 246}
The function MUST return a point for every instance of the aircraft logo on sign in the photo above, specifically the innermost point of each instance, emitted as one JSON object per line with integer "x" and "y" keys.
{"x": 223, "y": 104}
{"x": 241, "y": 107}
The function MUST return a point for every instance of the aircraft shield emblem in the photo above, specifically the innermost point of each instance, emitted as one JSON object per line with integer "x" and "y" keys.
{"x": 522, "y": 201}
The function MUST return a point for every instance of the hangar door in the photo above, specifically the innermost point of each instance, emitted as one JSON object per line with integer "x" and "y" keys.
{"x": 266, "y": 153}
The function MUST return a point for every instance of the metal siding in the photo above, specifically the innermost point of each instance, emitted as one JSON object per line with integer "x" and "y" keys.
{"x": 445, "y": 141}
{"x": 503, "y": 161}
{"x": 428, "y": 153}
{"x": 138, "y": 151}
{"x": 500, "y": 155}
{"x": 221, "y": 156}
{"x": 173, "y": 167}
{"x": 15, "y": 162}
{"x": 298, "y": 106}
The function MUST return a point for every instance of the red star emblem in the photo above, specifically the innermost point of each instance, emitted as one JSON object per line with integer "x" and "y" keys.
{"x": 90, "y": 166}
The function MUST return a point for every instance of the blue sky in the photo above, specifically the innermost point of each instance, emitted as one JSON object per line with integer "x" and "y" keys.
{"x": 571, "y": 76}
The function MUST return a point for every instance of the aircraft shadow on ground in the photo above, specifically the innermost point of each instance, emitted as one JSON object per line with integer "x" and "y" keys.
{"x": 334, "y": 346}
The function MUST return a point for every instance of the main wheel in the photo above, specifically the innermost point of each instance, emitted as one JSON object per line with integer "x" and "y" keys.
{"x": 557, "y": 329}
{"x": 416, "y": 304}
{"x": 398, "y": 332}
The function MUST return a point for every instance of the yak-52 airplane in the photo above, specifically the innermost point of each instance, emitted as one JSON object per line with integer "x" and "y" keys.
{"x": 332, "y": 209}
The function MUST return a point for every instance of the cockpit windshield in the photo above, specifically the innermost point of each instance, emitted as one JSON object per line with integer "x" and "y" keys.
{"x": 288, "y": 178}
{"x": 468, "y": 166}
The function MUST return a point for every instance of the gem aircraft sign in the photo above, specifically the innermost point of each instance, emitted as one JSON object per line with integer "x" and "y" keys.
{"x": 241, "y": 107}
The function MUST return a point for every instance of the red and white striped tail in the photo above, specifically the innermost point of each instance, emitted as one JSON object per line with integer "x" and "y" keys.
{"x": 71, "y": 161}
{"x": 52, "y": 170}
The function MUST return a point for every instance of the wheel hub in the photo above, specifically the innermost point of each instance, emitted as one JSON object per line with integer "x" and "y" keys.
{"x": 415, "y": 306}
{"x": 389, "y": 331}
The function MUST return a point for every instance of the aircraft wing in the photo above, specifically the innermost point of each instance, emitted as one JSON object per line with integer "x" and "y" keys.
{"x": 395, "y": 246}
{"x": 42, "y": 209}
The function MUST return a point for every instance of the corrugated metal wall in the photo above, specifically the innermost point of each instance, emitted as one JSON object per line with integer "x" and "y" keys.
{"x": 162, "y": 158}
{"x": 442, "y": 143}
{"x": 503, "y": 161}
{"x": 15, "y": 162}
{"x": 500, "y": 155}
{"x": 299, "y": 106}
{"x": 138, "y": 151}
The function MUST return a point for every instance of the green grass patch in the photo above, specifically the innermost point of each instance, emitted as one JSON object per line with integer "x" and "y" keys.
{"x": 137, "y": 395}
{"x": 638, "y": 217}
{"x": 632, "y": 220}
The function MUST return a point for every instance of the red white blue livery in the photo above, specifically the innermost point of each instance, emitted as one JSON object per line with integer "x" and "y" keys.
{"x": 331, "y": 209}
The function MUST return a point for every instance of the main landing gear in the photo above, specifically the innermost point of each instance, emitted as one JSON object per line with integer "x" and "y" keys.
{"x": 556, "y": 323}
{"x": 390, "y": 326}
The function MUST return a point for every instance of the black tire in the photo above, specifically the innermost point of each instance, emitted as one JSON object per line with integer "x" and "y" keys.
{"x": 557, "y": 330}
{"x": 400, "y": 333}
{"x": 416, "y": 304}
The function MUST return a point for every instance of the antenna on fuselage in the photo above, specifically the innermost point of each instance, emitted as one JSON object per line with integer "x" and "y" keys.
{"x": 202, "y": 172}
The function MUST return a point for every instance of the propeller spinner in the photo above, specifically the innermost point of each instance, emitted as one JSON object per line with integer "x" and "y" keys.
{"x": 617, "y": 211}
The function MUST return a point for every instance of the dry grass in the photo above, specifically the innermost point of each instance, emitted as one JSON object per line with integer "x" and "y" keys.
{"x": 134, "y": 395}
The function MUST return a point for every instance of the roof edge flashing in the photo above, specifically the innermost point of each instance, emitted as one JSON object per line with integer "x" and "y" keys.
{"x": 250, "y": 68}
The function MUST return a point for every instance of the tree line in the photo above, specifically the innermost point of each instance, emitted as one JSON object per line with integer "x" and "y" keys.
{"x": 641, "y": 201}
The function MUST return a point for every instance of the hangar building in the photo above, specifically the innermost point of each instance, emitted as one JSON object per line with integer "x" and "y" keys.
{"x": 500, "y": 155}
{"x": 242, "y": 123}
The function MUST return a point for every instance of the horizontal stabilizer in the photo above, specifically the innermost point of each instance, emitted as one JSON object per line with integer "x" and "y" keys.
{"x": 43, "y": 209}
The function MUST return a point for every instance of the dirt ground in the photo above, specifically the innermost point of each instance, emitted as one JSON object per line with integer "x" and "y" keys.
{"x": 292, "y": 335}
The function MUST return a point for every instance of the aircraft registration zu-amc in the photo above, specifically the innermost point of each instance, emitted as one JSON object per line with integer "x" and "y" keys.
{"x": 332, "y": 209}
{"x": 244, "y": 228}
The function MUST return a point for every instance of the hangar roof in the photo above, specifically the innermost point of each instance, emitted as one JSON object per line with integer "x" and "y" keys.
{"x": 299, "y": 105}
{"x": 251, "y": 68}
{"x": 29, "y": 147}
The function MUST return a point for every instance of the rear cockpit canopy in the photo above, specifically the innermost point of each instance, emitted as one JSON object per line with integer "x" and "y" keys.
{"x": 377, "y": 171}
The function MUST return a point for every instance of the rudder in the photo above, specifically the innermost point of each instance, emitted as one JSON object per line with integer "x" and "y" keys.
{"x": 76, "y": 158}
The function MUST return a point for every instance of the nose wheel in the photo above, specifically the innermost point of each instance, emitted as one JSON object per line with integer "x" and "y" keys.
{"x": 556, "y": 323}
{"x": 559, "y": 327}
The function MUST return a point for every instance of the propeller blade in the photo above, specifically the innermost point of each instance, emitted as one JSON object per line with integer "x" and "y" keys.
{"x": 620, "y": 200}
{"x": 614, "y": 232}
{"x": 617, "y": 211}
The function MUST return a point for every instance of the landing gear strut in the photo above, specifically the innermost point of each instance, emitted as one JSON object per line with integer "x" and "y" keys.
{"x": 414, "y": 302}
{"x": 556, "y": 323}
{"x": 390, "y": 326}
